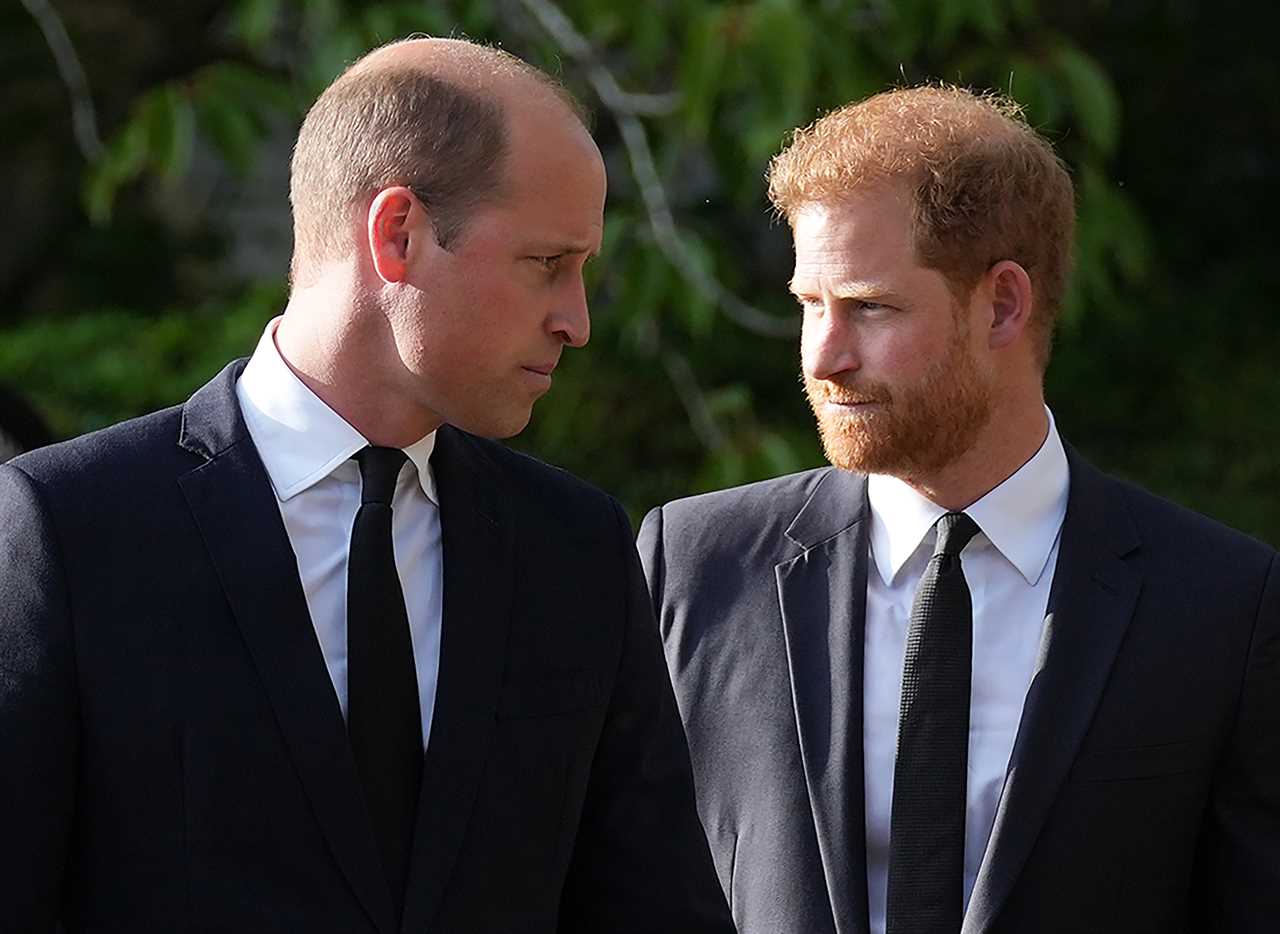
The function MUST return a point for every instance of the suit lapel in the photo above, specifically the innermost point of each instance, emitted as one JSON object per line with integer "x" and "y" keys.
{"x": 822, "y": 593}
{"x": 231, "y": 499}
{"x": 478, "y": 584}
{"x": 1090, "y": 604}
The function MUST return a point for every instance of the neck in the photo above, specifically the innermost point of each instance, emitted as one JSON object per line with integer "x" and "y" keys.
{"x": 1010, "y": 438}
{"x": 342, "y": 349}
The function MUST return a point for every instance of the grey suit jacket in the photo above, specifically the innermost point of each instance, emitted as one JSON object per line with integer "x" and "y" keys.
{"x": 1143, "y": 792}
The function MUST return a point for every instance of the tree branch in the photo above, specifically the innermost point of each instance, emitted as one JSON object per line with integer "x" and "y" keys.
{"x": 83, "y": 118}
{"x": 694, "y": 401}
{"x": 624, "y": 109}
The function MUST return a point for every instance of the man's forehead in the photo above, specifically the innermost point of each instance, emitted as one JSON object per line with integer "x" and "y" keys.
{"x": 543, "y": 221}
{"x": 549, "y": 157}
{"x": 875, "y": 205}
{"x": 871, "y": 225}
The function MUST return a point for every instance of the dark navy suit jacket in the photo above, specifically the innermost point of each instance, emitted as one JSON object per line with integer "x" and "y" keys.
{"x": 172, "y": 753}
{"x": 1143, "y": 792}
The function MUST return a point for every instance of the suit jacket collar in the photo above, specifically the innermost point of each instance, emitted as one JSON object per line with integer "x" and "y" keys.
{"x": 211, "y": 419}
{"x": 1095, "y": 589}
{"x": 479, "y": 583}
{"x": 837, "y": 503}
{"x": 822, "y": 594}
{"x": 299, "y": 438}
{"x": 232, "y": 501}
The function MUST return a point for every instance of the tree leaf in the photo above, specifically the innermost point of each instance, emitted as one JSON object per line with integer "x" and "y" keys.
{"x": 173, "y": 132}
{"x": 698, "y": 310}
{"x": 990, "y": 18}
{"x": 949, "y": 18}
{"x": 782, "y": 41}
{"x": 123, "y": 159}
{"x": 230, "y": 128}
{"x": 1093, "y": 97}
{"x": 254, "y": 21}
{"x": 254, "y": 89}
{"x": 702, "y": 67}
{"x": 778, "y": 455}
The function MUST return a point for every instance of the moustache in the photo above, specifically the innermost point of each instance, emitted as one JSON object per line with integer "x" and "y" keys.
{"x": 822, "y": 392}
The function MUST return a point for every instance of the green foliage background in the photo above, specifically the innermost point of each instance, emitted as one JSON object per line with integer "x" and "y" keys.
{"x": 118, "y": 296}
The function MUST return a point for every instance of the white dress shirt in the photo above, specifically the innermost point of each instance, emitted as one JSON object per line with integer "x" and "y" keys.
{"x": 306, "y": 448}
{"x": 1009, "y": 568}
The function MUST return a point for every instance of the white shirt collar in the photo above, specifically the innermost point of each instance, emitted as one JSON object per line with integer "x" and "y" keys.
{"x": 1021, "y": 517}
{"x": 299, "y": 438}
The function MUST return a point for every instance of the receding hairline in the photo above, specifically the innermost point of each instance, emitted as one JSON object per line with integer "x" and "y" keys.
{"x": 487, "y": 71}
{"x": 490, "y": 97}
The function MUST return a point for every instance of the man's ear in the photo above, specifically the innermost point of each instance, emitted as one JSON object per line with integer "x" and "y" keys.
{"x": 397, "y": 225}
{"x": 1011, "y": 300}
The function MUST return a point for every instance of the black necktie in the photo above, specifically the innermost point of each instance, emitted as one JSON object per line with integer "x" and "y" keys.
{"x": 383, "y": 718}
{"x": 926, "y": 829}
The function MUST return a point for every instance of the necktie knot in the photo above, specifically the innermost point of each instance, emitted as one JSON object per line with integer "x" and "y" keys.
{"x": 955, "y": 530}
{"x": 379, "y": 468}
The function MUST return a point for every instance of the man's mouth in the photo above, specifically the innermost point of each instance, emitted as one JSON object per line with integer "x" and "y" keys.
{"x": 852, "y": 403}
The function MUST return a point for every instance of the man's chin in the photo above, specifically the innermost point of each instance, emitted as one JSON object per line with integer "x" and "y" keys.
{"x": 494, "y": 426}
{"x": 850, "y": 453}
{"x": 861, "y": 451}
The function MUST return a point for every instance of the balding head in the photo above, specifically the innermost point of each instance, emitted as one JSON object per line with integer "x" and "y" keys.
{"x": 432, "y": 115}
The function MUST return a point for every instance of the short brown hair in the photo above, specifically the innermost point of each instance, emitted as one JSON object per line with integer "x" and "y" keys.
{"x": 985, "y": 186}
{"x": 377, "y": 127}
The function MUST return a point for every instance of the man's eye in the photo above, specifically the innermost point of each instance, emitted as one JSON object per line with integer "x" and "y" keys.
{"x": 875, "y": 308}
{"x": 548, "y": 263}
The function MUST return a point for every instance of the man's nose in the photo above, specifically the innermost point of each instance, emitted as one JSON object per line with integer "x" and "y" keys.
{"x": 570, "y": 319}
{"x": 828, "y": 344}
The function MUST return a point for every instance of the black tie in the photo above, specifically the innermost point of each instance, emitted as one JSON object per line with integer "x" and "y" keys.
{"x": 926, "y": 829}
{"x": 383, "y": 717}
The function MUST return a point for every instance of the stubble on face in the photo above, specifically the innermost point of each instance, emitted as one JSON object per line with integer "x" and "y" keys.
{"x": 910, "y": 431}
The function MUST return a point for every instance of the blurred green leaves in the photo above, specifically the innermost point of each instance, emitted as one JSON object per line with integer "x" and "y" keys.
{"x": 743, "y": 75}
{"x": 157, "y": 138}
{"x": 110, "y": 364}
{"x": 1093, "y": 98}
{"x": 231, "y": 104}
{"x": 673, "y": 395}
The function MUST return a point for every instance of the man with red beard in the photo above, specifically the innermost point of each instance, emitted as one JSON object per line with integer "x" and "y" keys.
{"x": 961, "y": 680}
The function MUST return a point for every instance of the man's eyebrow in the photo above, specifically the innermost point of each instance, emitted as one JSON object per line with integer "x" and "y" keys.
{"x": 558, "y": 247}
{"x": 853, "y": 288}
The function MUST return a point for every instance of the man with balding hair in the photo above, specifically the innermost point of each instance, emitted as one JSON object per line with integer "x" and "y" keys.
{"x": 961, "y": 680}
{"x": 308, "y": 653}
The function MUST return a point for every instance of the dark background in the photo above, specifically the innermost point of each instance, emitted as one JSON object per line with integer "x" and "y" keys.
{"x": 130, "y": 273}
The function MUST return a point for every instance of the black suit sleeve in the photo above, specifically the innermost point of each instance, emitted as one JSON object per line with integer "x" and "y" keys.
{"x": 37, "y": 711}
{"x": 1241, "y": 845}
{"x": 641, "y": 862}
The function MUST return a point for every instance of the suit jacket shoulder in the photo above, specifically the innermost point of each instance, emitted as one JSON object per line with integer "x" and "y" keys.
{"x": 1182, "y": 534}
{"x": 733, "y": 524}
{"x": 103, "y": 458}
{"x": 758, "y": 503}
{"x": 1192, "y": 559}
{"x": 564, "y": 502}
